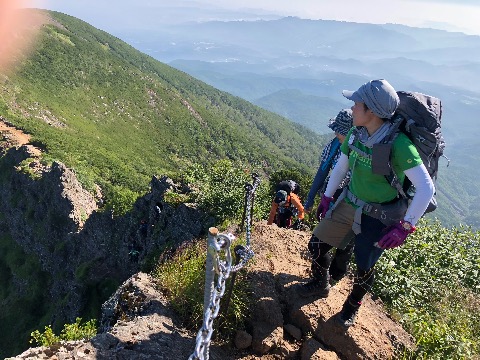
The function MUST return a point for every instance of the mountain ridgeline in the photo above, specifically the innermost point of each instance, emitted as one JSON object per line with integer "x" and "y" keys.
{"x": 118, "y": 116}
{"x": 298, "y": 68}
{"x": 103, "y": 121}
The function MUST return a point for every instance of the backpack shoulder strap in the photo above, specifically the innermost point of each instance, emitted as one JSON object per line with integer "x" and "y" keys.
{"x": 381, "y": 156}
{"x": 352, "y": 147}
{"x": 391, "y": 176}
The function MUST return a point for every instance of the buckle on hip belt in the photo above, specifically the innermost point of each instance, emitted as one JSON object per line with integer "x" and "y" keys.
{"x": 367, "y": 207}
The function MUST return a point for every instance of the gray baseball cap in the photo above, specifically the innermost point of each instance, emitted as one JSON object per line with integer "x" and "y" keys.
{"x": 378, "y": 95}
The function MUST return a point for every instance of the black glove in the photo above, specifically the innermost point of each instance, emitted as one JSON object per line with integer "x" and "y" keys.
{"x": 297, "y": 224}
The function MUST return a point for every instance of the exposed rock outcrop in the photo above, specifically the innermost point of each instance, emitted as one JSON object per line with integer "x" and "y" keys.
{"x": 49, "y": 217}
{"x": 282, "y": 325}
{"x": 77, "y": 254}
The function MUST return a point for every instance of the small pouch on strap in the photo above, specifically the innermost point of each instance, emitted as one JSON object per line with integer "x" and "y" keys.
{"x": 388, "y": 214}
{"x": 357, "y": 219}
{"x": 381, "y": 159}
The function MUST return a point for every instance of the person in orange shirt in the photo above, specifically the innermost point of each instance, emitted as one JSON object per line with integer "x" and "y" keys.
{"x": 284, "y": 207}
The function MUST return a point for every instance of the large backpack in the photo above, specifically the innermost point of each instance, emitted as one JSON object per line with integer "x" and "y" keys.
{"x": 419, "y": 117}
{"x": 282, "y": 195}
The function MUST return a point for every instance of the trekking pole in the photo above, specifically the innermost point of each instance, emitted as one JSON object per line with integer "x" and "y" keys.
{"x": 237, "y": 250}
{"x": 248, "y": 188}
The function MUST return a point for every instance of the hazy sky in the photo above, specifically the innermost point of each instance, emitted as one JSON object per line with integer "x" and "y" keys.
{"x": 459, "y": 14}
{"x": 453, "y": 15}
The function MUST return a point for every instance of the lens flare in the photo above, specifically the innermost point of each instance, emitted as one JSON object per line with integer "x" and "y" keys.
{"x": 18, "y": 26}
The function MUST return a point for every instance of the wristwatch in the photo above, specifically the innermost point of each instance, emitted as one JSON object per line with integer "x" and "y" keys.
{"x": 409, "y": 228}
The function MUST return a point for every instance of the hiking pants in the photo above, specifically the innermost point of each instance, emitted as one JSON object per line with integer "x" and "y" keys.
{"x": 323, "y": 262}
{"x": 366, "y": 254}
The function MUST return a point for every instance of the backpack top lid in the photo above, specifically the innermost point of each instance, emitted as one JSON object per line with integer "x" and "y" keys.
{"x": 425, "y": 110}
{"x": 288, "y": 186}
{"x": 281, "y": 197}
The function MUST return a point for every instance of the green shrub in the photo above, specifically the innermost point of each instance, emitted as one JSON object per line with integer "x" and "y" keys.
{"x": 432, "y": 285}
{"x": 46, "y": 338}
{"x": 220, "y": 190}
{"x": 120, "y": 199}
{"x": 175, "y": 199}
{"x": 26, "y": 168}
{"x": 182, "y": 278}
{"x": 75, "y": 331}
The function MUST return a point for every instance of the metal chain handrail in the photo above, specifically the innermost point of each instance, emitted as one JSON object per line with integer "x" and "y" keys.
{"x": 223, "y": 268}
{"x": 216, "y": 243}
{"x": 250, "y": 196}
{"x": 245, "y": 253}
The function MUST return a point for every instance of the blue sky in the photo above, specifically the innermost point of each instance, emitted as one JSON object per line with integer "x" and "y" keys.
{"x": 459, "y": 15}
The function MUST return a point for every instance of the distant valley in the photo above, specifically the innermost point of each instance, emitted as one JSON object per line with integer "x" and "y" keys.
{"x": 108, "y": 130}
{"x": 298, "y": 68}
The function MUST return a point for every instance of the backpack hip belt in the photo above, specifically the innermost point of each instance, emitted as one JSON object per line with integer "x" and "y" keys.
{"x": 387, "y": 213}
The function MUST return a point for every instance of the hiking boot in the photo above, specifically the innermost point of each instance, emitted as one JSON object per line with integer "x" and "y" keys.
{"x": 314, "y": 287}
{"x": 346, "y": 317}
{"x": 333, "y": 281}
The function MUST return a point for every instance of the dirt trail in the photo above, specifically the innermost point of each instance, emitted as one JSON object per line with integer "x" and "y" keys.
{"x": 283, "y": 325}
{"x": 13, "y": 137}
{"x": 17, "y": 137}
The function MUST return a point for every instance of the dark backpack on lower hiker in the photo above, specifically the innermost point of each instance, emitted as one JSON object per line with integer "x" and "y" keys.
{"x": 419, "y": 117}
{"x": 288, "y": 186}
{"x": 282, "y": 196}
{"x": 286, "y": 210}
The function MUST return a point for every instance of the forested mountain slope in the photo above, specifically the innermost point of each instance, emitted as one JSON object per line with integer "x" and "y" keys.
{"x": 116, "y": 115}
{"x": 102, "y": 120}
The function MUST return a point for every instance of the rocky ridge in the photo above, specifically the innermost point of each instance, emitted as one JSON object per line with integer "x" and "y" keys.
{"x": 281, "y": 326}
{"x": 71, "y": 254}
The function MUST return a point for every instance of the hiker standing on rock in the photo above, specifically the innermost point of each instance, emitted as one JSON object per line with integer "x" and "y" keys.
{"x": 370, "y": 206}
{"x": 324, "y": 268}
